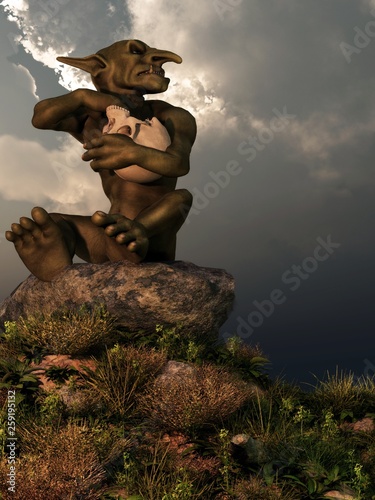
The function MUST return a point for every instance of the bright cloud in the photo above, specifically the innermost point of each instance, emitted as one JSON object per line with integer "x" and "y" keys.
{"x": 25, "y": 79}
{"x": 58, "y": 179}
{"x": 56, "y": 29}
{"x": 227, "y": 77}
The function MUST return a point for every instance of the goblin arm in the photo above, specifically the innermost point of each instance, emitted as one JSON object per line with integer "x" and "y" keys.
{"x": 68, "y": 113}
{"x": 174, "y": 162}
{"x": 117, "y": 151}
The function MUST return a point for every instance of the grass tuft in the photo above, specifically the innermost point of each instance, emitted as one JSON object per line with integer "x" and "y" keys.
{"x": 62, "y": 464}
{"x": 65, "y": 332}
{"x": 121, "y": 376}
{"x": 188, "y": 401}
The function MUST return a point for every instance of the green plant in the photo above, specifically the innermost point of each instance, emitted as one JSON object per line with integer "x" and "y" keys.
{"x": 52, "y": 409}
{"x": 301, "y": 416}
{"x": 97, "y": 436}
{"x": 180, "y": 345}
{"x": 329, "y": 426}
{"x": 13, "y": 345}
{"x": 360, "y": 481}
{"x": 183, "y": 490}
{"x": 225, "y": 457}
{"x": 245, "y": 360}
{"x": 153, "y": 471}
{"x": 19, "y": 375}
{"x": 60, "y": 374}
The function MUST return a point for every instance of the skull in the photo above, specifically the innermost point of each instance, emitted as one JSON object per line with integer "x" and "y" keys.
{"x": 149, "y": 133}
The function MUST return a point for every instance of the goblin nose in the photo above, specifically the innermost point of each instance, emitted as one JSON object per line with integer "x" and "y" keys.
{"x": 163, "y": 56}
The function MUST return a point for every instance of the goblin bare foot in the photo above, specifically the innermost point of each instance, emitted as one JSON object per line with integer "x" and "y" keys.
{"x": 125, "y": 231}
{"x": 40, "y": 244}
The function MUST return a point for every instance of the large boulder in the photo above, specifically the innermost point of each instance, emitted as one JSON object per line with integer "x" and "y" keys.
{"x": 140, "y": 296}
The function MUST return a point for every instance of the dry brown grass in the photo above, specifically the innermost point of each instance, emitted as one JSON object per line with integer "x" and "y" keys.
{"x": 255, "y": 489}
{"x": 208, "y": 395}
{"x": 3, "y": 397}
{"x": 122, "y": 375}
{"x": 8, "y": 351}
{"x": 56, "y": 465}
{"x": 68, "y": 332}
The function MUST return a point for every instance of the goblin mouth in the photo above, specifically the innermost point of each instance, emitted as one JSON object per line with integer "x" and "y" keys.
{"x": 153, "y": 71}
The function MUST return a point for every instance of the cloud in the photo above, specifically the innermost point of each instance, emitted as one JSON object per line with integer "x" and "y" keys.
{"x": 58, "y": 180}
{"x": 315, "y": 142}
{"x": 55, "y": 28}
{"x": 235, "y": 72}
{"x": 51, "y": 29}
{"x": 25, "y": 80}
{"x": 195, "y": 85}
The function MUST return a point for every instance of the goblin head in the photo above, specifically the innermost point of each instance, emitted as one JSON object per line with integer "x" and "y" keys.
{"x": 126, "y": 66}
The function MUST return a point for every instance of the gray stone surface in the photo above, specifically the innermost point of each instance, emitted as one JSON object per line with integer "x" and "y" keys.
{"x": 139, "y": 295}
{"x": 174, "y": 369}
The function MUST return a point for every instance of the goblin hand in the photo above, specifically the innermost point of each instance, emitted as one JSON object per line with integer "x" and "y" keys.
{"x": 110, "y": 152}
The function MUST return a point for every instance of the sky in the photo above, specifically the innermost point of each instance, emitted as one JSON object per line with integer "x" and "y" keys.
{"x": 282, "y": 171}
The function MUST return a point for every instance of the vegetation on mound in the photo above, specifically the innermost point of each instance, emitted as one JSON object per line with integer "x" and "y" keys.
{"x": 127, "y": 427}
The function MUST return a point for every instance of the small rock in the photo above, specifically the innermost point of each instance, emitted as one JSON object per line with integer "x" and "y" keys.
{"x": 337, "y": 495}
{"x": 364, "y": 425}
{"x": 240, "y": 440}
{"x": 255, "y": 448}
{"x": 175, "y": 369}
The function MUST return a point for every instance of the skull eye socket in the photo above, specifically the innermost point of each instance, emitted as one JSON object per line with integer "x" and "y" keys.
{"x": 125, "y": 129}
{"x": 109, "y": 125}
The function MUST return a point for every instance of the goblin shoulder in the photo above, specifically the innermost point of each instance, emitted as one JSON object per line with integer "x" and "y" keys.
{"x": 162, "y": 109}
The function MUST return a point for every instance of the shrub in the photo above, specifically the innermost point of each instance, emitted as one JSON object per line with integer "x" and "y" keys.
{"x": 123, "y": 373}
{"x": 255, "y": 489}
{"x": 342, "y": 393}
{"x": 186, "y": 401}
{"x": 245, "y": 360}
{"x": 61, "y": 464}
{"x": 67, "y": 332}
{"x": 155, "y": 470}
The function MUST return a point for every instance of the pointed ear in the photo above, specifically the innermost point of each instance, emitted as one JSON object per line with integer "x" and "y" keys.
{"x": 93, "y": 64}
